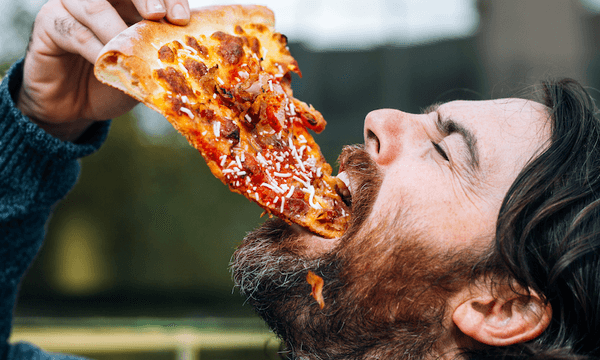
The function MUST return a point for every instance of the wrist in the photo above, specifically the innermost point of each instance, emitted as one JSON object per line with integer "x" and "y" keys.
{"x": 62, "y": 130}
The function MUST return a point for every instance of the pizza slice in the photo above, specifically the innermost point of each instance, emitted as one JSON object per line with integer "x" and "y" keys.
{"x": 224, "y": 82}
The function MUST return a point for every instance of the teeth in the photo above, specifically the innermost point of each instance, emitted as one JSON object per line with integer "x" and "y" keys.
{"x": 343, "y": 176}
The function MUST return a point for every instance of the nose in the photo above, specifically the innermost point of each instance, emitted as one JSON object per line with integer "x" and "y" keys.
{"x": 384, "y": 132}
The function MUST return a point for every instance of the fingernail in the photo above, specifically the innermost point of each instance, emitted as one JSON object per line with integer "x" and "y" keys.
{"x": 155, "y": 6}
{"x": 179, "y": 12}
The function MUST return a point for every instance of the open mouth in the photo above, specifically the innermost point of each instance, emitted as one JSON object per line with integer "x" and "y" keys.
{"x": 343, "y": 188}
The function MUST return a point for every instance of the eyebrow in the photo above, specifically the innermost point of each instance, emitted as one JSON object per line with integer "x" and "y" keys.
{"x": 447, "y": 126}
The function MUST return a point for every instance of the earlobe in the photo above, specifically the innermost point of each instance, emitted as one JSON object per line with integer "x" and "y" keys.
{"x": 502, "y": 320}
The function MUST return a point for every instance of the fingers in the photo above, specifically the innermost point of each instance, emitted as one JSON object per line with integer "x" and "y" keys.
{"x": 84, "y": 26}
{"x": 151, "y": 9}
{"x": 99, "y": 16}
{"x": 176, "y": 11}
{"x": 56, "y": 32}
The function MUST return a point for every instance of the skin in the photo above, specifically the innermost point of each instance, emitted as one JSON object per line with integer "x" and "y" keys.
{"x": 59, "y": 90}
{"x": 448, "y": 200}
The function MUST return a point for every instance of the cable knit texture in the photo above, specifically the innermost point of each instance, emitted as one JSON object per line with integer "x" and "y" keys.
{"x": 36, "y": 171}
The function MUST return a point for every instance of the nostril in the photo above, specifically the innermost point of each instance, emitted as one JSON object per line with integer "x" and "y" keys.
{"x": 373, "y": 140}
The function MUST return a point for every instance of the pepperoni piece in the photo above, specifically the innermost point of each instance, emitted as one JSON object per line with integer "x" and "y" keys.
{"x": 175, "y": 80}
{"x": 196, "y": 69}
{"x": 193, "y": 43}
{"x": 230, "y": 131}
{"x": 231, "y": 48}
{"x": 165, "y": 54}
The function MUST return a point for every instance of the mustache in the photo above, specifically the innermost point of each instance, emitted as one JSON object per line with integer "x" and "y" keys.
{"x": 366, "y": 178}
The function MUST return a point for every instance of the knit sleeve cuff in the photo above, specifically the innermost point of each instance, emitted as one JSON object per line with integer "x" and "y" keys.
{"x": 33, "y": 163}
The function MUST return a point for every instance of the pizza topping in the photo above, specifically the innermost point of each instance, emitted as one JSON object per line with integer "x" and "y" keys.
{"x": 196, "y": 69}
{"x": 231, "y": 48}
{"x": 316, "y": 283}
{"x": 253, "y": 44}
{"x": 175, "y": 80}
{"x": 231, "y": 131}
{"x": 165, "y": 54}
{"x": 229, "y": 92}
{"x": 193, "y": 43}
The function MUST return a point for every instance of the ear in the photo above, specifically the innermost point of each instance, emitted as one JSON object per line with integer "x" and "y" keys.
{"x": 503, "y": 319}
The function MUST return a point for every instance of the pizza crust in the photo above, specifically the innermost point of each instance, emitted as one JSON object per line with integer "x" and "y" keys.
{"x": 128, "y": 50}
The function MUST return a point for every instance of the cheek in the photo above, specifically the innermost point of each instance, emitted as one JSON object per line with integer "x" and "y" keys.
{"x": 402, "y": 186}
{"x": 460, "y": 227}
{"x": 433, "y": 208}
{"x": 407, "y": 188}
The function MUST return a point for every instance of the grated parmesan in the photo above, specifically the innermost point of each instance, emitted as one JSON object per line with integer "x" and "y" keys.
{"x": 217, "y": 128}
{"x": 187, "y": 112}
{"x": 190, "y": 49}
{"x": 291, "y": 192}
{"x": 273, "y": 187}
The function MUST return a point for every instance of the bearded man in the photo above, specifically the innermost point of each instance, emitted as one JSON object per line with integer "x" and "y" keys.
{"x": 474, "y": 235}
{"x": 474, "y": 225}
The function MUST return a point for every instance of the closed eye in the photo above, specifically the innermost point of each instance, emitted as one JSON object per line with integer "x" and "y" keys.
{"x": 440, "y": 151}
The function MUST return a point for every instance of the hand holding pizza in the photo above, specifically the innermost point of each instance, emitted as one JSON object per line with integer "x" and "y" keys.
{"x": 59, "y": 90}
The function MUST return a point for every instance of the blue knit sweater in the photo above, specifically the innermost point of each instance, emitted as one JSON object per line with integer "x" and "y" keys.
{"x": 36, "y": 171}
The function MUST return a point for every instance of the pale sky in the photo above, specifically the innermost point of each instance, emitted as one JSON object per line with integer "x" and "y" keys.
{"x": 331, "y": 24}
{"x": 343, "y": 24}
{"x": 320, "y": 24}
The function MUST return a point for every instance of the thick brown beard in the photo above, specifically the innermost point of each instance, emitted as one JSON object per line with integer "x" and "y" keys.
{"x": 384, "y": 299}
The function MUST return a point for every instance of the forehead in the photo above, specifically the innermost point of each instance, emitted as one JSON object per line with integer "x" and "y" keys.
{"x": 508, "y": 132}
{"x": 513, "y": 112}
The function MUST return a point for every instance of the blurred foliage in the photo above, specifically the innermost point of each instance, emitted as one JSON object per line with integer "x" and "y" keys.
{"x": 151, "y": 338}
{"x": 4, "y": 68}
{"x": 238, "y": 354}
{"x": 155, "y": 218}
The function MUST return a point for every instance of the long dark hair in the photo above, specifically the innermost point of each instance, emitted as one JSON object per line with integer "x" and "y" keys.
{"x": 548, "y": 230}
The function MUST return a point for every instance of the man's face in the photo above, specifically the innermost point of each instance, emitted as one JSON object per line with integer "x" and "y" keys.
{"x": 426, "y": 191}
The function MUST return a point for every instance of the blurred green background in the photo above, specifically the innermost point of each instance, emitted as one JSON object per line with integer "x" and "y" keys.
{"x": 144, "y": 239}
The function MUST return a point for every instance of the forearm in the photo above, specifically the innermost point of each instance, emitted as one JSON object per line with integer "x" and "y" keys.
{"x": 36, "y": 171}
